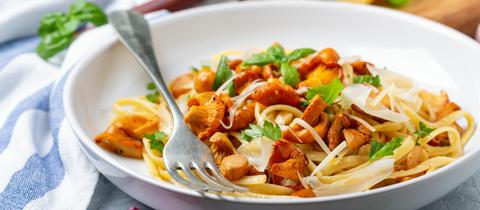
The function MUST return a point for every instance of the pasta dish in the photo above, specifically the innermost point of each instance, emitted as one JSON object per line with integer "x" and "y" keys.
{"x": 299, "y": 123}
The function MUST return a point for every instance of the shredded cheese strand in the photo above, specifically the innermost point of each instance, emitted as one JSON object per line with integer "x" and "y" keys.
{"x": 329, "y": 157}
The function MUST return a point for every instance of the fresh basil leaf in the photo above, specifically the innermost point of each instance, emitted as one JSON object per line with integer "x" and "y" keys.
{"x": 259, "y": 59}
{"x": 53, "y": 44}
{"x": 290, "y": 74}
{"x": 50, "y": 23}
{"x": 375, "y": 81}
{"x": 387, "y": 149}
{"x": 277, "y": 52}
{"x": 87, "y": 12}
{"x": 57, "y": 30}
{"x": 222, "y": 74}
{"x": 269, "y": 130}
{"x": 328, "y": 92}
{"x": 300, "y": 53}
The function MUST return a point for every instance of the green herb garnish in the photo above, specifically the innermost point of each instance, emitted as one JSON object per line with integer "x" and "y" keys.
{"x": 422, "y": 131}
{"x": 57, "y": 29}
{"x": 277, "y": 52}
{"x": 276, "y": 55}
{"x": 157, "y": 140}
{"x": 304, "y": 103}
{"x": 259, "y": 59}
{"x": 154, "y": 94}
{"x": 300, "y": 53}
{"x": 328, "y": 92}
{"x": 397, "y": 3}
{"x": 269, "y": 130}
{"x": 194, "y": 70}
{"x": 222, "y": 74}
{"x": 379, "y": 150}
{"x": 290, "y": 74}
{"x": 375, "y": 81}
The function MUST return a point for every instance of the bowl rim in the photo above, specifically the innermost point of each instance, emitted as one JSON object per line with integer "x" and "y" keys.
{"x": 87, "y": 142}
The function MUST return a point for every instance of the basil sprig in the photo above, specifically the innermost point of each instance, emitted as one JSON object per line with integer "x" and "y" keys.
{"x": 57, "y": 30}
{"x": 276, "y": 55}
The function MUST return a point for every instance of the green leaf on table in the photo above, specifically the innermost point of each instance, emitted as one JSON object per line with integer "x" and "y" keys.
{"x": 87, "y": 12}
{"x": 57, "y": 29}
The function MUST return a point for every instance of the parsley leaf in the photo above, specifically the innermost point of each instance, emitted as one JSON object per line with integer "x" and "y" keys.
{"x": 57, "y": 30}
{"x": 374, "y": 147}
{"x": 154, "y": 94}
{"x": 157, "y": 140}
{"x": 254, "y": 132}
{"x": 153, "y": 97}
{"x": 328, "y": 92}
{"x": 375, "y": 81}
{"x": 379, "y": 150}
{"x": 151, "y": 86}
{"x": 222, "y": 74}
{"x": 422, "y": 131}
{"x": 269, "y": 130}
{"x": 290, "y": 74}
{"x": 300, "y": 53}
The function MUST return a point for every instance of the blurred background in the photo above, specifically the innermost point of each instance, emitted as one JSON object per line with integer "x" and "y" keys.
{"x": 21, "y": 17}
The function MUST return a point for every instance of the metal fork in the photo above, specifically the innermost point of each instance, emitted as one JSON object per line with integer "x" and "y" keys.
{"x": 184, "y": 151}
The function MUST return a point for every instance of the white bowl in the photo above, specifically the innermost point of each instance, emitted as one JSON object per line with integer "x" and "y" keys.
{"x": 435, "y": 55}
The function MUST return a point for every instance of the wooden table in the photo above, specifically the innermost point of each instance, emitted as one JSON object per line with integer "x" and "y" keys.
{"x": 463, "y": 15}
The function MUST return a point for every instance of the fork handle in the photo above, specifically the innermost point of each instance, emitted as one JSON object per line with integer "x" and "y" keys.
{"x": 134, "y": 33}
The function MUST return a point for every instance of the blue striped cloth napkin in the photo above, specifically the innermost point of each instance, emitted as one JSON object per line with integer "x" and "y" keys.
{"x": 43, "y": 166}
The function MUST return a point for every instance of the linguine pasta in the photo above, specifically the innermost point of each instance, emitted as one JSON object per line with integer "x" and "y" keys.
{"x": 299, "y": 124}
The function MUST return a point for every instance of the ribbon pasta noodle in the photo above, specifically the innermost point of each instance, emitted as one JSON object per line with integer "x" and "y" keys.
{"x": 299, "y": 123}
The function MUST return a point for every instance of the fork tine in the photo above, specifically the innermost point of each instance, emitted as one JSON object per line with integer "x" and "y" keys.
{"x": 196, "y": 181}
{"x": 218, "y": 175}
{"x": 174, "y": 174}
{"x": 202, "y": 172}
